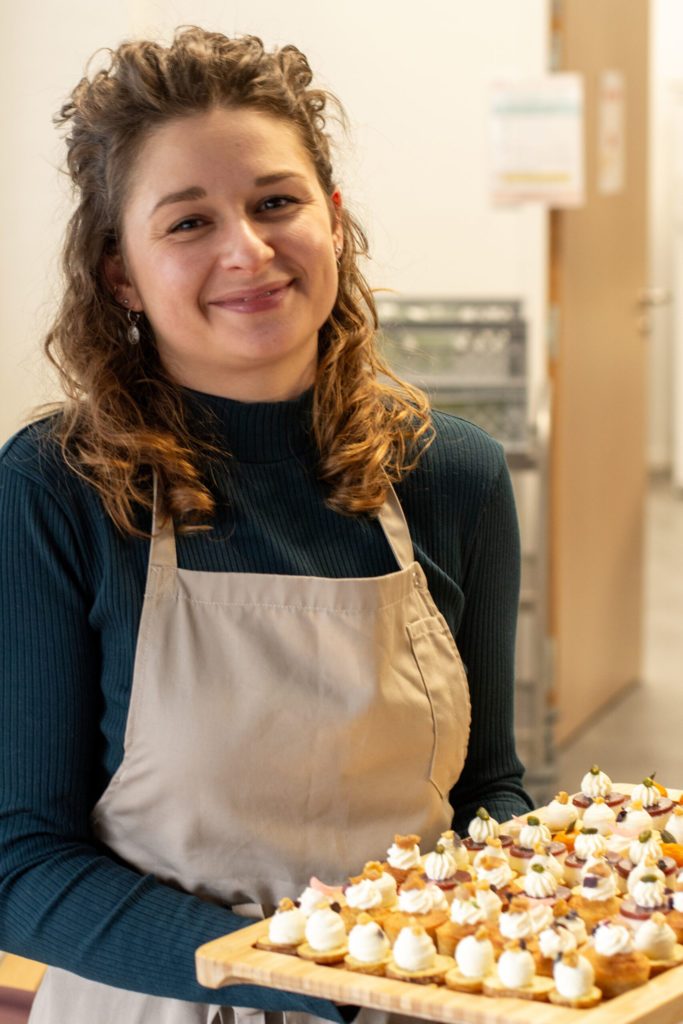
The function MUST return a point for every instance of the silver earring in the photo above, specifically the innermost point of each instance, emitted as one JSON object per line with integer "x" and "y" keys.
{"x": 133, "y": 331}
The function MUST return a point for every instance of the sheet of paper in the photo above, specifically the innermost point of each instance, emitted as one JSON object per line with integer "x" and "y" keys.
{"x": 537, "y": 147}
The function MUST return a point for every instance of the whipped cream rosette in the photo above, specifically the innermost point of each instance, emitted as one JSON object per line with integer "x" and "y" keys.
{"x": 286, "y": 929}
{"x": 369, "y": 948}
{"x": 420, "y": 901}
{"x": 647, "y": 850}
{"x": 403, "y": 856}
{"x": 597, "y": 896}
{"x": 589, "y": 844}
{"x": 325, "y": 937}
{"x": 548, "y": 861}
{"x": 541, "y": 914}
{"x": 540, "y": 883}
{"x": 597, "y": 784}
{"x": 647, "y": 895}
{"x": 441, "y": 866}
{"x": 574, "y": 979}
{"x": 466, "y": 915}
{"x": 496, "y": 871}
{"x": 552, "y": 943}
{"x": 488, "y": 899}
{"x": 384, "y": 881}
{"x": 310, "y": 900}
{"x": 657, "y": 804}
{"x": 481, "y": 828}
{"x": 532, "y": 834}
{"x": 516, "y": 922}
{"x": 453, "y": 844}
{"x": 567, "y": 918}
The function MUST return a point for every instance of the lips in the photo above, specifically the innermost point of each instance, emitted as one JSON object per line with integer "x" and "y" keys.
{"x": 248, "y": 295}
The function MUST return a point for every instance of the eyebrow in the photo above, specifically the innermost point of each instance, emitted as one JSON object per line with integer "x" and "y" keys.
{"x": 197, "y": 192}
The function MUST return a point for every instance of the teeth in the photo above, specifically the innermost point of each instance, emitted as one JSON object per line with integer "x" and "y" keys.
{"x": 261, "y": 296}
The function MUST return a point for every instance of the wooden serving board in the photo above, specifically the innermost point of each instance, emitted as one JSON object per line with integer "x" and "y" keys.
{"x": 233, "y": 959}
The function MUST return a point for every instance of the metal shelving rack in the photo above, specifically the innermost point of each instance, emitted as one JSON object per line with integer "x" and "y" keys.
{"x": 470, "y": 356}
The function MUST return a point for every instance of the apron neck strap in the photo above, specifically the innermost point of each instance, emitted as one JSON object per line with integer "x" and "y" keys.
{"x": 162, "y": 550}
{"x": 393, "y": 522}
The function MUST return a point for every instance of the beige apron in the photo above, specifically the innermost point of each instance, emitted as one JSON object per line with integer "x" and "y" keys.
{"x": 279, "y": 727}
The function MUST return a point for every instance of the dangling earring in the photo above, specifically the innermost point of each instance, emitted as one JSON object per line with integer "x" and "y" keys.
{"x": 133, "y": 332}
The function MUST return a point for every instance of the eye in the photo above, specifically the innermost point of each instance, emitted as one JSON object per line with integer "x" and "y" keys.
{"x": 277, "y": 203}
{"x": 187, "y": 224}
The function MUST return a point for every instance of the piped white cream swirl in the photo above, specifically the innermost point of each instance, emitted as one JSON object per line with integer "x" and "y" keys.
{"x": 403, "y": 858}
{"x": 674, "y": 824}
{"x": 466, "y": 912}
{"x": 648, "y": 894}
{"x": 601, "y": 816}
{"x": 590, "y": 844}
{"x": 644, "y": 868}
{"x": 554, "y": 941}
{"x": 421, "y": 901}
{"x": 516, "y": 925}
{"x": 599, "y": 887}
{"x": 647, "y": 795}
{"x": 310, "y": 899}
{"x": 287, "y": 927}
{"x": 539, "y": 883}
{"x": 325, "y": 930}
{"x": 610, "y": 939}
{"x": 482, "y": 828}
{"x": 363, "y": 895}
{"x": 596, "y": 783}
{"x": 498, "y": 872}
{"x": 414, "y": 950}
{"x": 531, "y": 834}
{"x": 647, "y": 844}
{"x": 440, "y": 866}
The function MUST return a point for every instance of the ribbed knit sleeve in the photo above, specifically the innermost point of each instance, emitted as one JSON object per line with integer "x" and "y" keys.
{"x": 486, "y": 639}
{"x": 62, "y": 899}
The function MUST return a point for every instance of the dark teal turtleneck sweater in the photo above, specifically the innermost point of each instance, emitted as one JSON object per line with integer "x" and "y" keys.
{"x": 71, "y": 590}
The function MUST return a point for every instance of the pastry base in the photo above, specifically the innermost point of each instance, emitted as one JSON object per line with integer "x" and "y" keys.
{"x": 274, "y": 947}
{"x": 326, "y": 957}
{"x": 459, "y": 982}
{"x": 591, "y": 998}
{"x": 360, "y": 967}
{"x": 393, "y": 923}
{"x": 433, "y": 975}
{"x": 539, "y": 988}
{"x": 619, "y": 973}
{"x": 659, "y": 966}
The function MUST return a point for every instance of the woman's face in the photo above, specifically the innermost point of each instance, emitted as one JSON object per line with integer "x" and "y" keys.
{"x": 229, "y": 249}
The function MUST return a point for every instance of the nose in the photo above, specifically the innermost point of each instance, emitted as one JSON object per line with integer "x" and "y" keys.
{"x": 243, "y": 246}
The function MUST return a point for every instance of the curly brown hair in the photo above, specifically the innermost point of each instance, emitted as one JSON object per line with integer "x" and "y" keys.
{"x": 123, "y": 415}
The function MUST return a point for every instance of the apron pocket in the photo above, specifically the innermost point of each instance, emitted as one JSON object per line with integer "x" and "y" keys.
{"x": 433, "y": 648}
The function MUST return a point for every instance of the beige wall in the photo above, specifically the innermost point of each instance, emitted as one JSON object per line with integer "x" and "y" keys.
{"x": 415, "y": 86}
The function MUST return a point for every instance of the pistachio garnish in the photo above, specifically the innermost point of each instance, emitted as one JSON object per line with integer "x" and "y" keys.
{"x": 533, "y": 820}
{"x": 645, "y": 835}
{"x": 483, "y": 814}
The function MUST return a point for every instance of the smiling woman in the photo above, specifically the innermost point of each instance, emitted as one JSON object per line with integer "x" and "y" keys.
{"x": 234, "y": 564}
{"x": 234, "y": 280}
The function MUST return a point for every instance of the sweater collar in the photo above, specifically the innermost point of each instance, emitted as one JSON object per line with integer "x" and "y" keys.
{"x": 256, "y": 431}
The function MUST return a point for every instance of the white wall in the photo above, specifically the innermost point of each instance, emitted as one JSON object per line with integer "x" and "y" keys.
{"x": 414, "y": 80}
{"x": 666, "y": 62}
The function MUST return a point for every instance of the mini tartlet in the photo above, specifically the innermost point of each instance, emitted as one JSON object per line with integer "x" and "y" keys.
{"x": 481, "y": 828}
{"x": 419, "y": 901}
{"x": 574, "y": 980}
{"x": 369, "y": 948}
{"x": 475, "y": 961}
{"x": 515, "y": 975}
{"x": 618, "y": 966}
{"x": 286, "y": 929}
{"x": 657, "y": 940}
{"x": 415, "y": 959}
{"x": 596, "y": 898}
{"x": 403, "y": 857}
{"x": 326, "y": 940}
{"x": 597, "y": 783}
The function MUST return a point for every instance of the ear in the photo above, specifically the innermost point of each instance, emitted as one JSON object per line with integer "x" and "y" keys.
{"x": 120, "y": 284}
{"x": 337, "y": 226}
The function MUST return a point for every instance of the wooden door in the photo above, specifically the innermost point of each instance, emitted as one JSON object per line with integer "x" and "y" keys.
{"x": 598, "y": 368}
